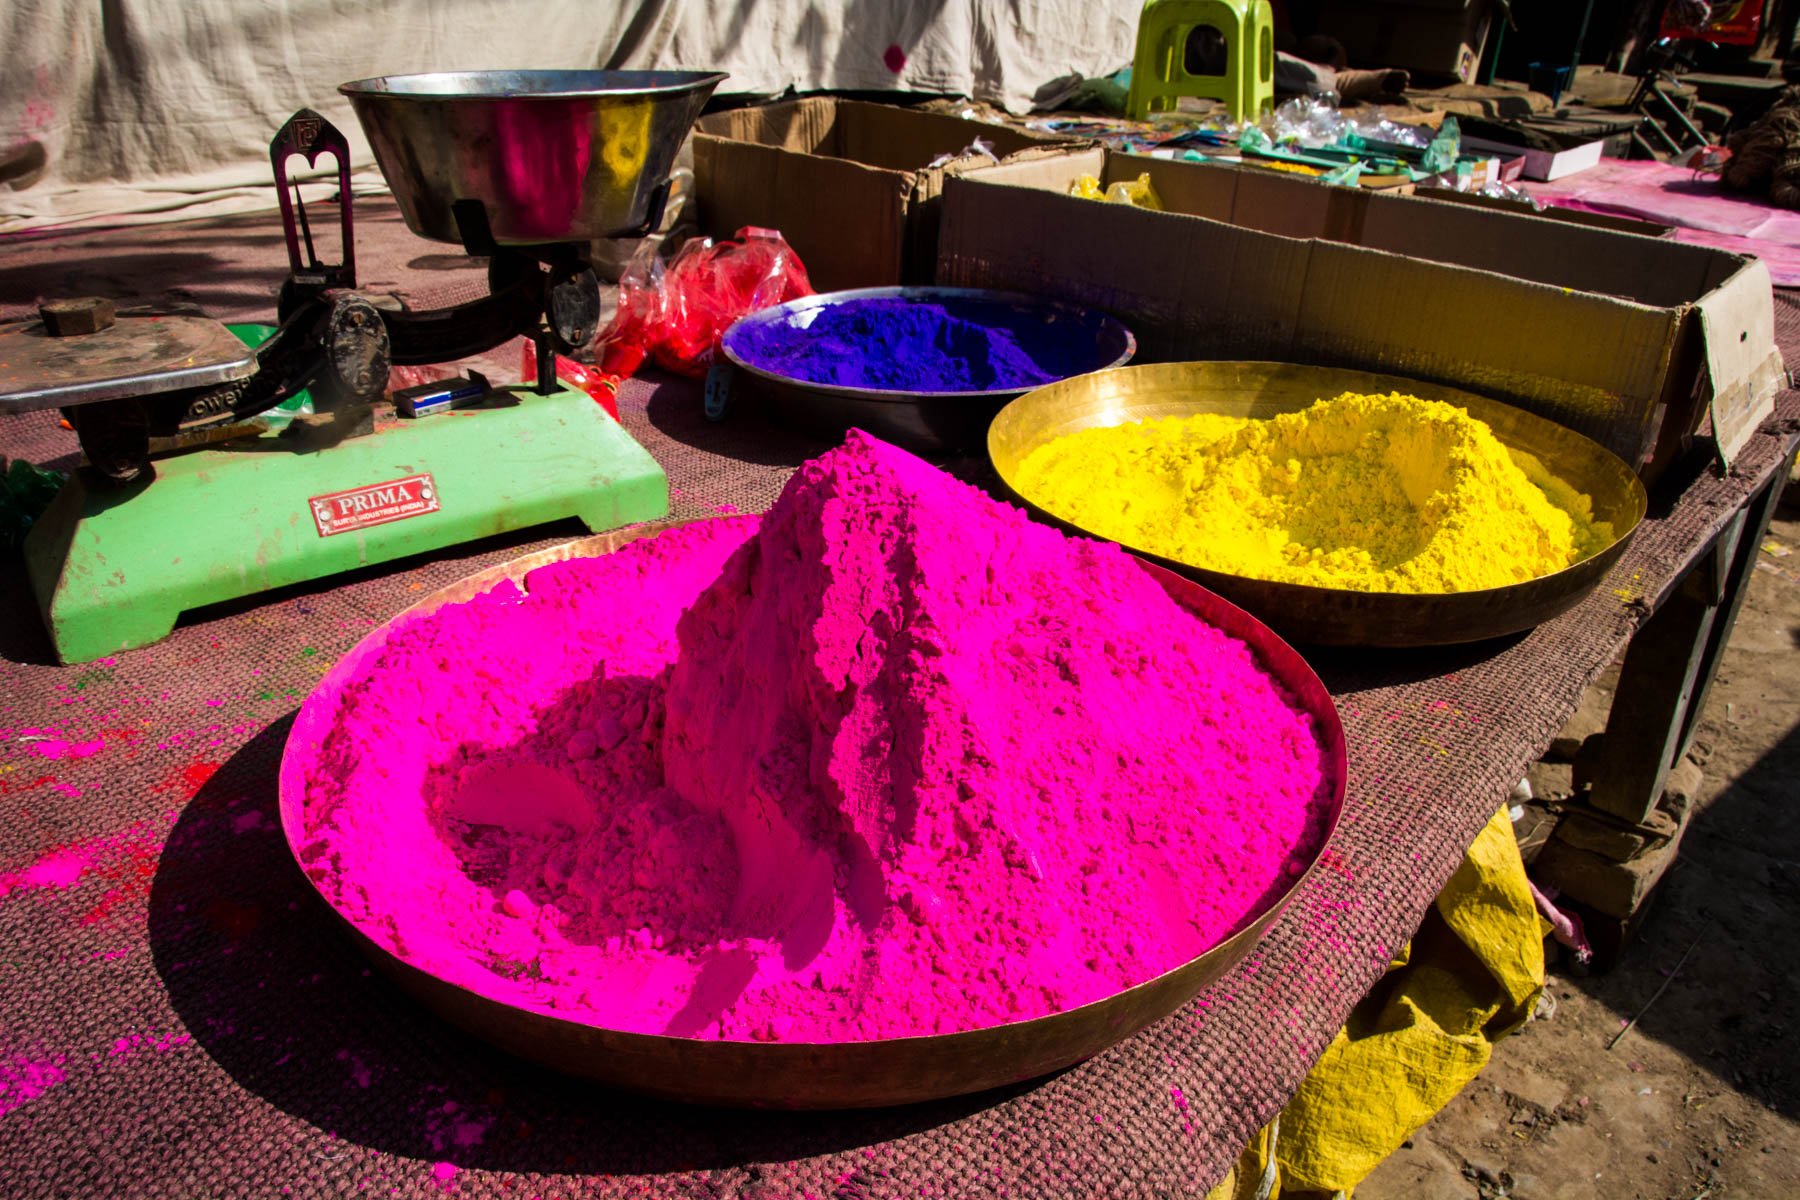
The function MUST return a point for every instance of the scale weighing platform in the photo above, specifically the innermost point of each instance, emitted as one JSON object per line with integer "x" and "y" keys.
{"x": 200, "y": 482}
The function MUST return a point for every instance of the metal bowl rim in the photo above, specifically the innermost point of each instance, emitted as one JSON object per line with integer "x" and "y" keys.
{"x": 1333, "y": 745}
{"x": 1639, "y": 496}
{"x": 680, "y": 83}
{"x": 770, "y": 315}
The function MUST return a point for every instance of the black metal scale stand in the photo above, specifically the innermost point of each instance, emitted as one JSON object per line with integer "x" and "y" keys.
{"x": 338, "y": 343}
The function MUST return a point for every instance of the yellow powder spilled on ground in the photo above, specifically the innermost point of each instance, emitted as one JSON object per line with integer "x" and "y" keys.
{"x": 1363, "y": 493}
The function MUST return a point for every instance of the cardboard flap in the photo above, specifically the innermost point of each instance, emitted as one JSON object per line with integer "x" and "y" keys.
{"x": 1051, "y": 173}
{"x": 1744, "y": 370}
{"x": 808, "y": 125}
{"x": 845, "y": 220}
{"x": 1661, "y": 273}
{"x": 903, "y": 139}
{"x": 1587, "y": 362}
{"x": 1190, "y": 289}
{"x": 1571, "y": 216}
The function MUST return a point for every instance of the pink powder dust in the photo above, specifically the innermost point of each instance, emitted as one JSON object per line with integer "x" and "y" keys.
{"x": 59, "y": 869}
{"x": 891, "y": 760}
{"x": 59, "y": 748}
{"x": 23, "y": 1080}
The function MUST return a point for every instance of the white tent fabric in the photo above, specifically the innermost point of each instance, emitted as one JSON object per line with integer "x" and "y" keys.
{"x": 145, "y": 110}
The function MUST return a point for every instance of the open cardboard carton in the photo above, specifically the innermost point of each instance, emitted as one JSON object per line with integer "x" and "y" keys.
{"x": 850, "y": 185}
{"x": 1634, "y": 341}
{"x": 1576, "y": 216}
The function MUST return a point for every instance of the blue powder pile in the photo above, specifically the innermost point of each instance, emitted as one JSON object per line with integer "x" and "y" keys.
{"x": 896, "y": 344}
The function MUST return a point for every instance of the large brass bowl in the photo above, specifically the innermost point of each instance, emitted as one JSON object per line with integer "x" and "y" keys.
{"x": 805, "y": 1075}
{"x": 1318, "y": 615}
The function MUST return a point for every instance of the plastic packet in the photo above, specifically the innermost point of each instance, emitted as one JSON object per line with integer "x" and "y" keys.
{"x": 1087, "y": 188}
{"x": 623, "y": 345}
{"x": 1501, "y": 190}
{"x": 1139, "y": 191}
{"x": 708, "y": 286}
{"x": 1308, "y": 121}
{"x": 1380, "y": 129}
{"x": 1315, "y": 121}
{"x": 1445, "y": 148}
{"x": 979, "y": 148}
{"x": 1253, "y": 138}
{"x": 25, "y": 492}
{"x": 676, "y": 314}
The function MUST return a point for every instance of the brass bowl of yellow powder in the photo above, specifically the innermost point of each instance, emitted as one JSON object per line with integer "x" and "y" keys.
{"x": 1360, "y": 587}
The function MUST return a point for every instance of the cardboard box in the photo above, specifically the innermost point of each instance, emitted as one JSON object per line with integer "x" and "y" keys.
{"x": 1545, "y": 165}
{"x": 1574, "y": 216}
{"x": 849, "y": 184}
{"x": 1632, "y": 341}
{"x": 1434, "y": 39}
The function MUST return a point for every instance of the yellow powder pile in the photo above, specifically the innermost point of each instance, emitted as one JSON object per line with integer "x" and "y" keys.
{"x": 1362, "y": 493}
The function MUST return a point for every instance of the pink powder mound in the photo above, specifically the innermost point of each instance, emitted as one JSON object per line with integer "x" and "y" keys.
{"x": 894, "y": 760}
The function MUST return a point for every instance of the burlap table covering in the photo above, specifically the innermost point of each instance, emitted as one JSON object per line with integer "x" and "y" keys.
{"x": 179, "y": 1016}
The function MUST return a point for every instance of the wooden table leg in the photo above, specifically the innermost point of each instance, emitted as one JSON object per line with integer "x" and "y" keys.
{"x": 1670, "y": 665}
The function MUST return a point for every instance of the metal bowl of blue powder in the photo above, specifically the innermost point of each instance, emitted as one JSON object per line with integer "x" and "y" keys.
{"x": 927, "y": 368}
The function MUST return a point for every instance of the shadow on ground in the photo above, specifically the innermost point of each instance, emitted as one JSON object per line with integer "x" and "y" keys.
{"x": 676, "y": 410}
{"x": 1734, "y": 897}
{"x": 271, "y": 985}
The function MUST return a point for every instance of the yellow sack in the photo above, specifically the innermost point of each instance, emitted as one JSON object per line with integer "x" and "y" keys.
{"x": 1470, "y": 976}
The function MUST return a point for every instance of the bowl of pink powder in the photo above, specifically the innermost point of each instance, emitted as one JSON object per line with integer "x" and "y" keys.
{"x": 886, "y": 795}
{"x": 926, "y": 368}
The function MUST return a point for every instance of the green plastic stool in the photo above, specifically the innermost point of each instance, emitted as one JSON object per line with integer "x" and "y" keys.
{"x": 1159, "y": 74}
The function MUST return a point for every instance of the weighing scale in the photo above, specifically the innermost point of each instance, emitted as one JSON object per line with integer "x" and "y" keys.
{"x": 195, "y": 486}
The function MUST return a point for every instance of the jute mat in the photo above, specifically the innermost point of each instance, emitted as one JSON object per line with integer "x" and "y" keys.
{"x": 180, "y": 1017}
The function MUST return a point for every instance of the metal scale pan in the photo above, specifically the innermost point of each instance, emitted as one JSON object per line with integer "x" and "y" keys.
{"x": 549, "y": 156}
{"x": 1318, "y": 615}
{"x": 808, "y": 1075}
{"x": 135, "y": 356}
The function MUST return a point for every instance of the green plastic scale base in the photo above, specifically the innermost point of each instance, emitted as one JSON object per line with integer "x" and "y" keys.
{"x": 114, "y": 569}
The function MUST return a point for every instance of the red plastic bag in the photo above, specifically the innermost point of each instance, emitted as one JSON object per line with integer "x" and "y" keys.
{"x": 602, "y": 386}
{"x": 678, "y": 314}
{"x": 622, "y": 346}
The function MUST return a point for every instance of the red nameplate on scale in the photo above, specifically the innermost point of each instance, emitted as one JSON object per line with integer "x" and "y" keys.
{"x": 374, "y": 504}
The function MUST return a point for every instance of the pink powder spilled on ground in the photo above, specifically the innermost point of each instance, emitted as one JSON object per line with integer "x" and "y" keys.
{"x": 61, "y": 868}
{"x": 892, "y": 760}
{"x": 23, "y": 1080}
{"x": 61, "y": 748}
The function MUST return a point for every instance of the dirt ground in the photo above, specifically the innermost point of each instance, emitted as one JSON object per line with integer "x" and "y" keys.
{"x": 1702, "y": 1097}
